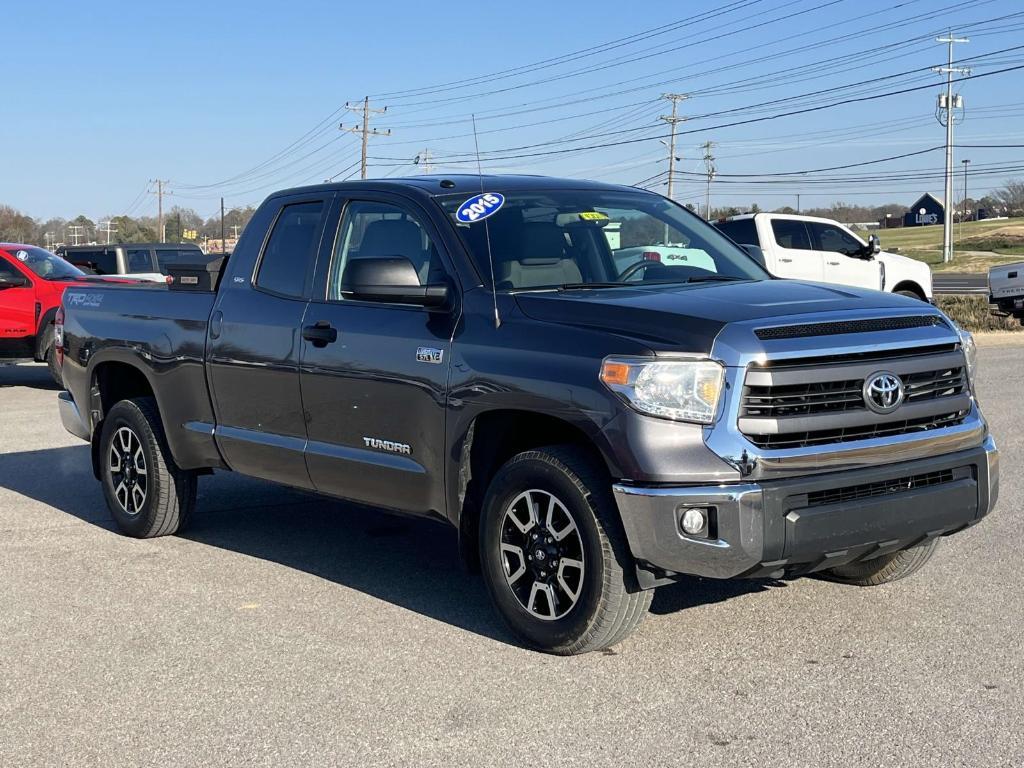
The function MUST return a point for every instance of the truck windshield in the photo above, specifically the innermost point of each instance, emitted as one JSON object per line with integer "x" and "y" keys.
{"x": 578, "y": 238}
{"x": 45, "y": 264}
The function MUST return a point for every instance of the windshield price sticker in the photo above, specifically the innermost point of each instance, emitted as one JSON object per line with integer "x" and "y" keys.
{"x": 22, "y": 255}
{"x": 479, "y": 207}
{"x": 593, "y": 216}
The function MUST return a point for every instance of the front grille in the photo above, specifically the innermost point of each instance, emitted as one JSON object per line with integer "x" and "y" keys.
{"x": 822, "y": 397}
{"x": 864, "y": 432}
{"x": 809, "y": 402}
{"x": 847, "y": 326}
{"x": 879, "y": 488}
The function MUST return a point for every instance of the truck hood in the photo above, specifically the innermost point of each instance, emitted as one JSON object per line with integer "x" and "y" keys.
{"x": 690, "y": 316}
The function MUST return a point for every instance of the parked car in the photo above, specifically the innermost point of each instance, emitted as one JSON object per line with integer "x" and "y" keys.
{"x": 1006, "y": 288}
{"x": 589, "y": 437}
{"x": 148, "y": 261}
{"x": 32, "y": 281}
{"x": 809, "y": 248}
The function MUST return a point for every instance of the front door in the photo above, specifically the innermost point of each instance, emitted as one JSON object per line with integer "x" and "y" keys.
{"x": 795, "y": 257}
{"x": 841, "y": 252}
{"x": 254, "y": 347}
{"x": 374, "y": 383}
{"x": 17, "y": 311}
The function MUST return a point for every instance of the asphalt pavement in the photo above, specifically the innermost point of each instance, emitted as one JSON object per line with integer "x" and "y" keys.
{"x": 285, "y": 630}
{"x": 960, "y": 282}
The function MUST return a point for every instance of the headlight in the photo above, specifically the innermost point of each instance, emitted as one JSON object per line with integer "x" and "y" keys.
{"x": 683, "y": 390}
{"x": 970, "y": 353}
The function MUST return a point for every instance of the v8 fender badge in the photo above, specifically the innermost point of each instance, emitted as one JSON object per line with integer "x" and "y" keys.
{"x": 429, "y": 355}
{"x": 387, "y": 445}
{"x": 479, "y": 207}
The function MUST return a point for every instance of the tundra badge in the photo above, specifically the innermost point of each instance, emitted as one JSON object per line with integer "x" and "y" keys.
{"x": 387, "y": 445}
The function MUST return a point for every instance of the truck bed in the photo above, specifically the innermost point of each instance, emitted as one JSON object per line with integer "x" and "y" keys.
{"x": 108, "y": 324}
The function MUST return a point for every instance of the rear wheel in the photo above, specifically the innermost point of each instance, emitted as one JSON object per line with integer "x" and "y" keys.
{"x": 146, "y": 492}
{"x": 884, "y": 569}
{"x": 554, "y": 556}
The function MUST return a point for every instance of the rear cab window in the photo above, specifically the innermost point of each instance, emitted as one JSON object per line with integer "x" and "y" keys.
{"x": 102, "y": 261}
{"x": 742, "y": 231}
{"x": 169, "y": 257}
{"x": 791, "y": 234}
{"x": 291, "y": 249}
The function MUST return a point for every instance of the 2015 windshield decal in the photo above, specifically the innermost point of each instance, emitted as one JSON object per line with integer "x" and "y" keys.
{"x": 479, "y": 207}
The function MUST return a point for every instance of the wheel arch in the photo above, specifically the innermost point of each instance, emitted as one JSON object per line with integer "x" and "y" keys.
{"x": 482, "y": 453}
{"x": 110, "y": 381}
{"x": 913, "y": 287}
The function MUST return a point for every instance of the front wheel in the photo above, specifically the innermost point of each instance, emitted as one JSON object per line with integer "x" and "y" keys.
{"x": 146, "y": 492}
{"x": 554, "y": 555}
{"x": 50, "y": 357}
{"x": 884, "y": 569}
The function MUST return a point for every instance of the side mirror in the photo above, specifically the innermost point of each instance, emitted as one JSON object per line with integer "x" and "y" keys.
{"x": 755, "y": 253}
{"x": 392, "y": 280}
{"x": 873, "y": 247}
{"x": 13, "y": 281}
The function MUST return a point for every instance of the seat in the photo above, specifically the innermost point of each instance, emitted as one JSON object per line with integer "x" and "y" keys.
{"x": 396, "y": 237}
{"x": 539, "y": 258}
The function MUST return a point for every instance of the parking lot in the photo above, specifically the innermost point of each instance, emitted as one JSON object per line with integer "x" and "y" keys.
{"x": 282, "y": 629}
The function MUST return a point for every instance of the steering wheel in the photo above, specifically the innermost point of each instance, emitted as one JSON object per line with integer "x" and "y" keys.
{"x": 632, "y": 269}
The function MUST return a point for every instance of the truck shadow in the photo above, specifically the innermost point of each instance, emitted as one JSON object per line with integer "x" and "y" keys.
{"x": 408, "y": 562}
{"x": 34, "y": 375}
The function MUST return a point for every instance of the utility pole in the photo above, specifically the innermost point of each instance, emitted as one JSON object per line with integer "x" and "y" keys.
{"x": 223, "y": 240}
{"x": 798, "y": 202}
{"x": 160, "y": 192}
{"x": 673, "y": 119}
{"x": 107, "y": 228}
{"x": 946, "y": 106}
{"x": 963, "y": 213}
{"x": 423, "y": 160}
{"x": 709, "y": 169}
{"x": 75, "y": 231}
{"x": 235, "y": 228}
{"x": 365, "y": 129}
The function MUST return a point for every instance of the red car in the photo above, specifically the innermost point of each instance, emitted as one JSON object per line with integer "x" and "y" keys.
{"x": 32, "y": 281}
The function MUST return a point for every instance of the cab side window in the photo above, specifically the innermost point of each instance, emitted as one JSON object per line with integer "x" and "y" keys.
{"x": 7, "y": 271}
{"x": 138, "y": 260}
{"x": 379, "y": 230}
{"x": 828, "y": 237}
{"x": 791, "y": 234}
{"x": 291, "y": 249}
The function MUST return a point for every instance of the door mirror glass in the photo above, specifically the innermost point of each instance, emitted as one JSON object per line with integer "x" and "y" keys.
{"x": 12, "y": 281}
{"x": 874, "y": 245}
{"x": 391, "y": 279}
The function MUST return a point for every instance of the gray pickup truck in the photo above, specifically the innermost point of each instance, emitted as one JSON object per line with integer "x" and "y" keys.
{"x": 470, "y": 349}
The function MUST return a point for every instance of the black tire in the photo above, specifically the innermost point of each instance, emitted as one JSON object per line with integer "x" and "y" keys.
{"x": 50, "y": 358}
{"x": 909, "y": 294}
{"x": 609, "y": 604}
{"x": 169, "y": 493}
{"x": 884, "y": 569}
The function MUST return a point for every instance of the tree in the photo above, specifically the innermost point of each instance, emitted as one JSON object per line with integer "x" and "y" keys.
{"x": 179, "y": 219}
{"x": 235, "y": 217}
{"x": 755, "y": 208}
{"x": 129, "y": 230}
{"x": 15, "y": 226}
{"x": 84, "y": 226}
{"x": 1012, "y": 196}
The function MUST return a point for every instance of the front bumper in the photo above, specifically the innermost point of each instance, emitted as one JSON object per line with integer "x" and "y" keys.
{"x": 803, "y": 524}
{"x": 71, "y": 418}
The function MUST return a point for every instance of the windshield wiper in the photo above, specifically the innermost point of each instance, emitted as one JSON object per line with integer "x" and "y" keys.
{"x": 713, "y": 278}
{"x": 584, "y": 286}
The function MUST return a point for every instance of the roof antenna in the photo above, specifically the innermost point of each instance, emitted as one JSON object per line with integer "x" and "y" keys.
{"x": 487, "y": 229}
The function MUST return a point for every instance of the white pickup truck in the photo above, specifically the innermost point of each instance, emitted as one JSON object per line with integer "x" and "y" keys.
{"x": 1006, "y": 288}
{"x": 809, "y": 248}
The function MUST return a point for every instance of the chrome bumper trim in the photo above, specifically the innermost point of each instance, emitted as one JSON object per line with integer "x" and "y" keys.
{"x": 71, "y": 418}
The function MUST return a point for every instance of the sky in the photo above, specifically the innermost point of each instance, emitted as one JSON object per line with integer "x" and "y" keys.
{"x": 240, "y": 99}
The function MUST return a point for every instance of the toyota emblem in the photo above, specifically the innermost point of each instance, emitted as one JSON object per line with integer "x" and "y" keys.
{"x": 883, "y": 392}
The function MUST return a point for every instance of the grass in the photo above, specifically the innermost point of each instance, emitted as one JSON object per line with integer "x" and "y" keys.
{"x": 973, "y": 313}
{"x": 977, "y": 245}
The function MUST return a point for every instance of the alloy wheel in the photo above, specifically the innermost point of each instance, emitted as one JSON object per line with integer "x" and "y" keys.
{"x": 128, "y": 472}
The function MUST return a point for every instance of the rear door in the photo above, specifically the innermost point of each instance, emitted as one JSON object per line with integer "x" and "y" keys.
{"x": 840, "y": 252}
{"x": 254, "y": 347}
{"x": 795, "y": 257}
{"x": 375, "y": 394}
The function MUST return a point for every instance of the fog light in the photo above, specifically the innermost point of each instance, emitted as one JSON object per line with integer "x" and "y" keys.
{"x": 694, "y": 521}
